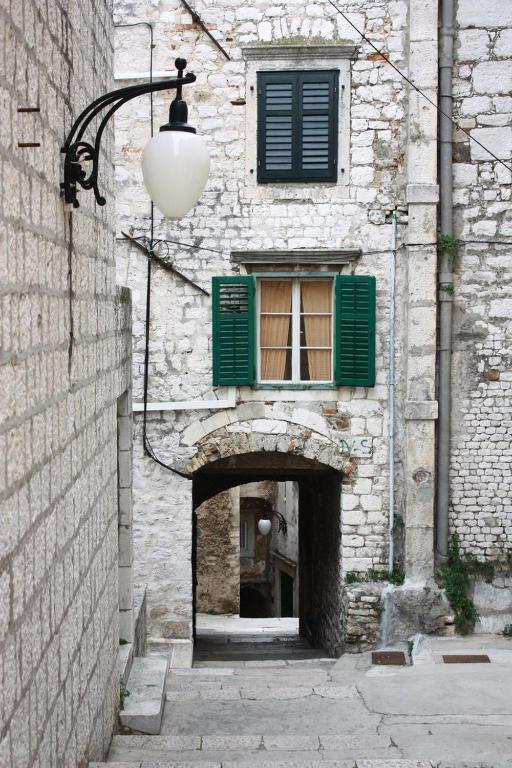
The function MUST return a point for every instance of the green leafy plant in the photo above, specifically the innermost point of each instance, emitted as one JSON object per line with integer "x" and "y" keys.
{"x": 454, "y": 578}
{"x": 123, "y": 693}
{"x": 448, "y": 245}
{"x": 448, "y": 288}
{"x": 351, "y": 577}
{"x": 507, "y": 630}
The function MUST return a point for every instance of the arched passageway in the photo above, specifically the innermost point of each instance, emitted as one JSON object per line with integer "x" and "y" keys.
{"x": 319, "y": 531}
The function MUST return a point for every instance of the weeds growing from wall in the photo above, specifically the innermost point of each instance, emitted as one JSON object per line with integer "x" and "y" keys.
{"x": 455, "y": 580}
{"x": 123, "y": 693}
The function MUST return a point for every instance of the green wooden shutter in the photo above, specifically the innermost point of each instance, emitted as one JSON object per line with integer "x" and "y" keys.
{"x": 318, "y": 125}
{"x": 233, "y": 330}
{"x": 355, "y": 331}
{"x": 297, "y": 126}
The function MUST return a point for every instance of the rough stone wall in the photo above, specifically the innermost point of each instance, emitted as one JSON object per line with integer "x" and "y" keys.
{"x": 287, "y": 503}
{"x": 65, "y": 344}
{"x": 361, "y": 617}
{"x": 218, "y": 554}
{"x": 481, "y": 509}
{"x": 236, "y": 214}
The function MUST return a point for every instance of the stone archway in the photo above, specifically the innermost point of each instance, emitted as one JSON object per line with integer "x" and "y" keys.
{"x": 242, "y": 452}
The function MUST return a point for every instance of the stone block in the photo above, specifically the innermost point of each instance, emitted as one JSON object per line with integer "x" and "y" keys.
{"x": 269, "y": 426}
{"x": 473, "y": 45}
{"x": 472, "y": 13}
{"x": 503, "y": 44}
{"x": 193, "y": 433}
{"x": 143, "y": 708}
{"x": 492, "y": 77}
{"x": 498, "y": 140}
{"x": 425, "y": 410}
{"x": 501, "y": 308}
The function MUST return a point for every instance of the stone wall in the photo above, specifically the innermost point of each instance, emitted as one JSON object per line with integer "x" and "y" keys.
{"x": 64, "y": 362}
{"x": 218, "y": 554}
{"x": 362, "y": 612}
{"x": 481, "y": 509}
{"x": 388, "y": 145}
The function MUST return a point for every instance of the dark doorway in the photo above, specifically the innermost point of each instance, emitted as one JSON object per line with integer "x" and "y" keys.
{"x": 286, "y": 583}
{"x": 253, "y": 604}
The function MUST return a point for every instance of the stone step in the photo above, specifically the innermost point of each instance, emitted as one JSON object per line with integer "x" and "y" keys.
{"x": 144, "y": 706}
{"x": 292, "y": 760}
{"x": 259, "y": 692}
{"x": 262, "y": 742}
{"x": 250, "y": 750}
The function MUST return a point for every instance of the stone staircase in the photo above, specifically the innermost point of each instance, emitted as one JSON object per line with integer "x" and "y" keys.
{"x": 333, "y": 713}
{"x": 266, "y": 713}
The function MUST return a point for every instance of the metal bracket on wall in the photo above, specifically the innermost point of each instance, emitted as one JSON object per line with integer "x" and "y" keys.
{"x": 197, "y": 20}
{"x": 161, "y": 262}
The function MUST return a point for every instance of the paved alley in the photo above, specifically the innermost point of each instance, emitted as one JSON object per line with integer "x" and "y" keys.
{"x": 336, "y": 713}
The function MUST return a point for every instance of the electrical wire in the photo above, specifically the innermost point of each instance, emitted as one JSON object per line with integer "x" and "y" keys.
{"x": 418, "y": 90}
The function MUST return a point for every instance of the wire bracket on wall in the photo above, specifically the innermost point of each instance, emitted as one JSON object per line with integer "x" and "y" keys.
{"x": 197, "y": 20}
{"x": 150, "y": 253}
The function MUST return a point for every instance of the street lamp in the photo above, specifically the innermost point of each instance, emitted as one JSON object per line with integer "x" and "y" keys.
{"x": 265, "y": 524}
{"x": 175, "y": 163}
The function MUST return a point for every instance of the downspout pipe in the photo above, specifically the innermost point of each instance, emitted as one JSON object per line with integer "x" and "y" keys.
{"x": 391, "y": 391}
{"x": 445, "y": 276}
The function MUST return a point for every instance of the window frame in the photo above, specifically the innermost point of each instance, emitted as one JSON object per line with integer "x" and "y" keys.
{"x": 247, "y": 520}
{"x": 296, "y": 174}
{"x": 296, "y": 314}
{"x": 280, "y": 58}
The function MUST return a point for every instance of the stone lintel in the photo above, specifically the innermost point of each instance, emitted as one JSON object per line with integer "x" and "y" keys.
{"x": 422, "y": 193}
{"x": 421, "y": 410}
{"x": 303, "y": 256}
{"x": 302, "y": 51}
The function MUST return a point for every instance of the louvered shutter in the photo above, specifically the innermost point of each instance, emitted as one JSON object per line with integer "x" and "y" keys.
{"x": 297, "y": 126}
{"x": 355, "y": 331}
{"x": 233, "y": 330}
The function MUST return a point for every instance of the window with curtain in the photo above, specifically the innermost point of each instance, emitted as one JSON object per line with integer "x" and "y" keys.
{"x": 295, "y": 330}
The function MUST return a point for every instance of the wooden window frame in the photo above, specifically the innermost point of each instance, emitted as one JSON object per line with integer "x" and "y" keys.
{"x": 296, "y": 317}
{"x": 297, "y": 174}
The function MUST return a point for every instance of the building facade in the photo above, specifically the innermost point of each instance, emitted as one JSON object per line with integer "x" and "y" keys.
{"x": 299, "y": 247}
{"x": 65, "y": 371}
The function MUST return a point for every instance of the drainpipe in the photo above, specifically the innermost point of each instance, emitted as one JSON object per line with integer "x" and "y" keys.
{"x": 391, "y": 391}
{"x": 445, "y": 276}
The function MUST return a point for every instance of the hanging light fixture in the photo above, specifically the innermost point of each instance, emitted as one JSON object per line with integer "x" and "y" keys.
{"x": 265, "y": 524}
{"x": 175, "y": 163}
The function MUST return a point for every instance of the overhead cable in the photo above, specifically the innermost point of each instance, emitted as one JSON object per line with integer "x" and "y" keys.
{"x": 418, "y": 90}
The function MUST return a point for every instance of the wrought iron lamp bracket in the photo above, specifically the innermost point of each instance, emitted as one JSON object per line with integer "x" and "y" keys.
{"x": 77, "y": 150}
{"x": 283, "y": 525}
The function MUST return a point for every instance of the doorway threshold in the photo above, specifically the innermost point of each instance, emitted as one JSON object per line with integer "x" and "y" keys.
{"x": 231, "y": 638}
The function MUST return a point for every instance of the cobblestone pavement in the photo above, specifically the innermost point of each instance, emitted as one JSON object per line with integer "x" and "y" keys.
{"x": 336, "y": 713}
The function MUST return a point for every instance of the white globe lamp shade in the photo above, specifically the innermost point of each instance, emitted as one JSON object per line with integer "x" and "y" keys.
{"x": 175, "y": 168}
{"x": 264, "y": 527}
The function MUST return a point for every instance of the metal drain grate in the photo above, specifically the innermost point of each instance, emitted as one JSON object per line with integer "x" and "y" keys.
{"x": 461, "y": 658}
{"x": 391, "y": 658}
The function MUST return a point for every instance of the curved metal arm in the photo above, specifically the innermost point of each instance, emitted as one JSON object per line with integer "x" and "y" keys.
{"x": 78, "y": 151}
{"x": 283, "y": 525}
